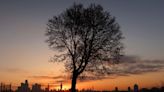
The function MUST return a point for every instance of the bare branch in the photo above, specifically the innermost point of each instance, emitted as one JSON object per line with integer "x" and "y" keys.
{"x": 89, "y": 38}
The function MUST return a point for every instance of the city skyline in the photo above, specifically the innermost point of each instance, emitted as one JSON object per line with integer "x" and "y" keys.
{"x": 25, "y": 87}
{"x": 25, "y": 55}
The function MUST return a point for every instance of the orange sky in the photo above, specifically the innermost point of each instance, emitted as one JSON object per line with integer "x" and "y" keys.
{"x": 122, "y": 82}
{"x": 24, "y": 53}
{"x": 147, "y": 80}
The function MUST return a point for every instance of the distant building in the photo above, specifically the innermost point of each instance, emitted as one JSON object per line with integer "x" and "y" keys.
{"x": 116, "y": 89}
{"x": 162, "y": 89}
{"x": 129, "y": 89}
{"x": 146, "y": 90}
{"x": 155, "y": 89}
{"x": 61, "y": 85}
{"x": 36, "y": 88}
{"x": 136, "y": 88}
{"x": 24, "y": 87}
{"x": 5, "y": 88}
{"x": 47, "y": 89}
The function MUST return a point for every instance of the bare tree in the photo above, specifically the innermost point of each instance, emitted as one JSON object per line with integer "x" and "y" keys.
{"x": 86, "y": 40}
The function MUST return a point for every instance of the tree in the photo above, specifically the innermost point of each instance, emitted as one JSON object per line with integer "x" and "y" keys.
{"x": 87, "y": 40}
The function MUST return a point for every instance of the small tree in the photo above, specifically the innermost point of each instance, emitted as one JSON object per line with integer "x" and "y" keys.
{"x": 87, "y": 40}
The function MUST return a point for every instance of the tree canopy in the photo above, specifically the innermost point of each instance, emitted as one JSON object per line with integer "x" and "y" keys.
{"x": 86, "y": 39}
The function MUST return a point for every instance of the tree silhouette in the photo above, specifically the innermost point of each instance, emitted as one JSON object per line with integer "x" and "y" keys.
{"x": 87, "y": 40}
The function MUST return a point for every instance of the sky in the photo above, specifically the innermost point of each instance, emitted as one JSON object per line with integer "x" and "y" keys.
{"x": 24, "y": 54}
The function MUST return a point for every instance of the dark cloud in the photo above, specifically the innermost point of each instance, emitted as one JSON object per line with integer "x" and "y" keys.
{"x": 51, "y": 85}
{"x": 135, "y": 65}
{"x": 63, "y": 81}
{"x": 129, "y": 65}
{"x": 48, "y": 77}
{"x": 14, "y": 70}
{"x": 54, "y": 81}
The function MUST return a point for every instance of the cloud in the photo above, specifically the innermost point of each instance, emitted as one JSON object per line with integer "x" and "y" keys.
{"x": 53, "y": 79}
{"x": 135, "y": 65}
{"x": 128, "y": 65}
{"x": 14, "y": 70}
{"x": 47, "y": 77}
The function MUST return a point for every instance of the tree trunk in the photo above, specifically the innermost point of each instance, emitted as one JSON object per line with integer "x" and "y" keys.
{"x": 74, "y": 79}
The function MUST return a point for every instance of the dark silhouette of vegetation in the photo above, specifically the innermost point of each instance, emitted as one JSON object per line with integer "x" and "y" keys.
{"x": 87, "y": 40}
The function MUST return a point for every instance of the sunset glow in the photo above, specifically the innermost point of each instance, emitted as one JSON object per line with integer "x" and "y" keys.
{"x": 24, "y": 54}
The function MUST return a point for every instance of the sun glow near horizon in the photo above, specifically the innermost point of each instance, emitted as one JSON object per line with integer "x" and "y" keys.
{"x": 146, "y": 80}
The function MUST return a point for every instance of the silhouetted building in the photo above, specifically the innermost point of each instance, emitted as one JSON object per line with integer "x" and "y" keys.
{"x": 5, "y": 88}
{"x": 129, "y": 90}
{"x": 47, "y": 89}
{"x": 162, "y": 89}
{"x": 36, "y": 88}
{"x": 145, "y": 90}
{"x": 24, "y": 87}
{"x": 61, "y": 85}
{"x": 154, "y": 89}
{"x": 116, "y": 89}
{"x": 136, "y": 88}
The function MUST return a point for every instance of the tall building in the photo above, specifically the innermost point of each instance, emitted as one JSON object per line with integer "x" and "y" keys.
{"x": 36, "y": 88}
{"x": 24, "y": 87}
{"x": 116, "y": 89}
{"x": 47, "y": 89}
{"x": 136, "y": 88}
{"x": 129, "y": 89}
{"x": 61, "y": 86}
{"x": 5, "y": 88}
